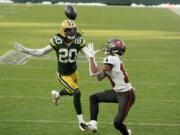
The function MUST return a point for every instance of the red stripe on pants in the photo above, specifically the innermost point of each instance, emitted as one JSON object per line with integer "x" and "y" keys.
{"x": 130, "y": 94}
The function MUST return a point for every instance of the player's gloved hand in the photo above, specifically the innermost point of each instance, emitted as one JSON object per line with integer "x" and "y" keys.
{"x": 91, "y": 49}
{"x": 19, "y": 47}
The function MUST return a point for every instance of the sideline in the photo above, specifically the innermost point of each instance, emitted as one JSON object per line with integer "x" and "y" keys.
{"x": 174, "y": 9}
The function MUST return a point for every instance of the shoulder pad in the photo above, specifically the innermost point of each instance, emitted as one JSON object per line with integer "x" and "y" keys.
{"x": 57, "y": 39}
{"x": 80, "y": 41}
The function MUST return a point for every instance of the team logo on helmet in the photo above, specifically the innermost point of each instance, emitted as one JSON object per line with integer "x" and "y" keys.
{"x": 115, "y": 46}
{"x": 68, "y": 29}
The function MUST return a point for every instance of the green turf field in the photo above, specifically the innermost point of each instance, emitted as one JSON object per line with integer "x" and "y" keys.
{"x": 152, "y": 60}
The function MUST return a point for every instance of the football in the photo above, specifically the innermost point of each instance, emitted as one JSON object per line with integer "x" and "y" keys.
{"x": 70, "y": 12}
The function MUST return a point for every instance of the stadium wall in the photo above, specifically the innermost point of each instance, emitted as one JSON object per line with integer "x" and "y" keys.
{"x": 109, "y": 2}
{"x": 155, "y": 2}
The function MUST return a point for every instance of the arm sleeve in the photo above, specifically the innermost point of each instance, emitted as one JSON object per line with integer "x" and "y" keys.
{"x": 38, "y": 52}
{"x": 86, "y": 52}
{"x": 52, "y": 43}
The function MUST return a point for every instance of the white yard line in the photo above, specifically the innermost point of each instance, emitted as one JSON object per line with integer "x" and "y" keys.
{"x": 26, "y": 97}
{"x": 50, "y": 80}
{"x": 100, "y": 122}
{"x": 100, "y": 60}
{"x": 154, "y": 46}
{"x": 129, "y": 70}
{"x": 14, "y": 57}
{"x": 83, "y": 98}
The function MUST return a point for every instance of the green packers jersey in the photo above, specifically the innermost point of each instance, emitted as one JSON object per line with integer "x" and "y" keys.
{"x": 66, "y": 54}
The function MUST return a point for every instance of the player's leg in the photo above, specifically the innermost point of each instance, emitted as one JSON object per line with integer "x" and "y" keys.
{"x": 77, "y": 99}
{"x": 56, "y": 94}
{"x": 70, "y": 83}
{"x": 73, "y": 83}
{"x": 65, "y": 91}
{"x": 95, "y": 99}
{"x": 125, "y": 99}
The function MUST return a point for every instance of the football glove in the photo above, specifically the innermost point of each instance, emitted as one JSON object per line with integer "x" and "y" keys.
{"x": 93, "y": 53}
{"x": 34, "y": 52}
{"x": 91, "y": 49}
{"x": 19, "y": 47}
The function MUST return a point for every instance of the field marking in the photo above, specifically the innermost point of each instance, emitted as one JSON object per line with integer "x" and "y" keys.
{"x": 100, "y": 60}
{"x": 83, "y": 68}
{"x": 174, "y": 9}
{"x": 100, "y": 122}
{"x": 157, "y": 52}
{"x": 83, "y": 98}
{"x": 50, "y": 80}
{"x": 154, "y": 46}
{"x": 10, "y": 10}
{"x": 14, "y": 57}
{"x": 27, "y": 24}
{"x": 145, "y": 34}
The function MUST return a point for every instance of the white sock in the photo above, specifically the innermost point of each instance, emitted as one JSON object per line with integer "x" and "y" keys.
{"x": 80, "y": 118}
{"x": 93, "y": 122}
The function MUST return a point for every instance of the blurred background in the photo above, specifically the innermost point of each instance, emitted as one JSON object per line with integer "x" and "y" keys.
{"x": 151, "y": 31}
{"x": 109, "y": 2}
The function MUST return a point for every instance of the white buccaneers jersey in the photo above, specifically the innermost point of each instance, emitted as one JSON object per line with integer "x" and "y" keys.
{"x": 117, "y": 75}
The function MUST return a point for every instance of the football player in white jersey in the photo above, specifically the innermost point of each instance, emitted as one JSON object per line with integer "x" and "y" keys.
{"x": 122, "y": 91}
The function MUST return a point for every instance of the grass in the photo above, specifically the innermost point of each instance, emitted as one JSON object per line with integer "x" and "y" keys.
{"x": 152, "y": 62}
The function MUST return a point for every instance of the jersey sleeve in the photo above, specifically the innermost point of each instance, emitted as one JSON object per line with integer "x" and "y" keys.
{"x": 109, "y": 60}
{"x": 56, "y": 40}
{"x": 81, "y": 42}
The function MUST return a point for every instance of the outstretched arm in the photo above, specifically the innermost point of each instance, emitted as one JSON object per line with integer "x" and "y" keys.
{"x": 98, "y": 71}
{"x": 34, "y": 52}
{"x": 85, "y": 51}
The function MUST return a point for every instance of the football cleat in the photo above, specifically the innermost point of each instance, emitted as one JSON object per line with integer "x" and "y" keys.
{"x": 82, "y": 128}
{"x": 130, "y": 132}
{"x": 90, "y": 126}
{"x": 56, "y": 96}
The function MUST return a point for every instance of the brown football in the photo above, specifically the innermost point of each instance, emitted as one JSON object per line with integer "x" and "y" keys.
{"x": 70, "y": 12}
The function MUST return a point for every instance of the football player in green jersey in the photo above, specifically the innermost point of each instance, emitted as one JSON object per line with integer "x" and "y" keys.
{"x": 66, "y": 44}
